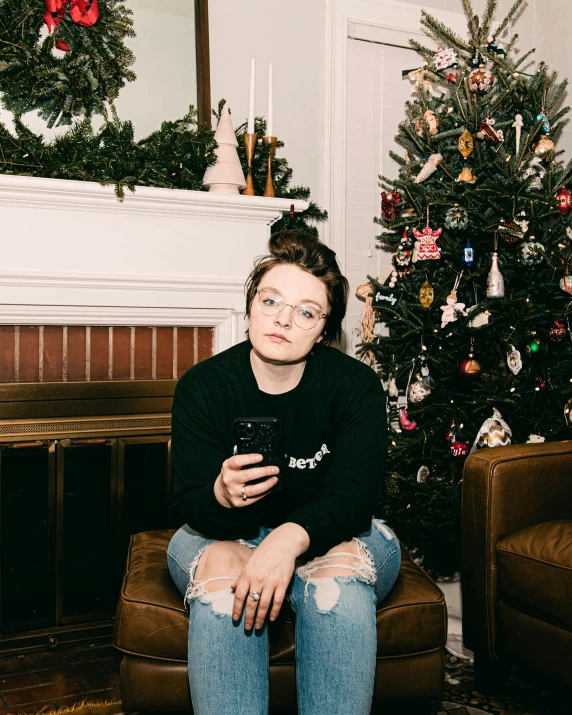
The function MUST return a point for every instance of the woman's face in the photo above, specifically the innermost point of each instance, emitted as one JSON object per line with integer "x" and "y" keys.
{"x": 277, "y": 338}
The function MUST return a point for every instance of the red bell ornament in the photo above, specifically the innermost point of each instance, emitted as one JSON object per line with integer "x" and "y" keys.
{"x": 564, "y": 201}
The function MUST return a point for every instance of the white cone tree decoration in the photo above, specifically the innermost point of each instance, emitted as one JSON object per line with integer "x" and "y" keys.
{"x": 226, "y": 176}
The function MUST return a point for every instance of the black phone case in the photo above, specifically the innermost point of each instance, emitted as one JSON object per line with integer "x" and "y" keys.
{"x": 262, "y": 435}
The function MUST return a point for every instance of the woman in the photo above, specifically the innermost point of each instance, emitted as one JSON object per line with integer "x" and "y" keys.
{"x": 245, "y": 547}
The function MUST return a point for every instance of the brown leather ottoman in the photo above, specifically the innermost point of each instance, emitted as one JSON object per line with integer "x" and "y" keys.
{"x": 151, "y": 629}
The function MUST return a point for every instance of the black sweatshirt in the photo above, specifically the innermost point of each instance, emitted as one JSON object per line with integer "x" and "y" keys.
{"x": 335, "y": 431}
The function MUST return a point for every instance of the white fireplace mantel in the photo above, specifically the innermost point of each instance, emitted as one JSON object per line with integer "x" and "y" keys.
{"x": 73, "y": 254}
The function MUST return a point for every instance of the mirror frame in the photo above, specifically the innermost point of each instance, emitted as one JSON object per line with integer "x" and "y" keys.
{"x": 203, "y": 62}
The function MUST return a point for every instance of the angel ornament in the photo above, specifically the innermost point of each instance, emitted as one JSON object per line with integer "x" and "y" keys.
{"x": 452, "y": 310}
{"x": 426, "y": 248}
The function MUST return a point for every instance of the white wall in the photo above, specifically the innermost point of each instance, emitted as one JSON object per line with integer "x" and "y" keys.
{"x": 290, "y": 34}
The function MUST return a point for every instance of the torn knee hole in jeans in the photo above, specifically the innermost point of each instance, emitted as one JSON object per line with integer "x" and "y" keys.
{"x": 222, "y": 600}
{"x": 327, "y": 589}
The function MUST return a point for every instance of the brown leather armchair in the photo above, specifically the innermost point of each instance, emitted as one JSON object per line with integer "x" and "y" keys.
{"x": 517, "y": 561}
{"x": 151, "y": 627}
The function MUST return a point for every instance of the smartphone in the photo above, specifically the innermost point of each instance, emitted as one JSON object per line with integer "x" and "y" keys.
{"x": 262, "y": 435}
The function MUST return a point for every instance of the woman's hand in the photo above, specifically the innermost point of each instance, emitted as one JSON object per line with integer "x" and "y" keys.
{"x": 232, "y": 479}
{"x": 268, "y": 572}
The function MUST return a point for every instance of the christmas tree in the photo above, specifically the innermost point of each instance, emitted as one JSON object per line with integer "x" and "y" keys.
{"x": 475, "y": 348}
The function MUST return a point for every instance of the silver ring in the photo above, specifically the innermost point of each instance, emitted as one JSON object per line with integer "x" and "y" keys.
{"x": 255, "y": 596}
{"x": 244, "y": 497}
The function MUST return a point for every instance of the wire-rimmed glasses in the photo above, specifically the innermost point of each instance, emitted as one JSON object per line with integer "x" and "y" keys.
{"x": 305, "y": 315}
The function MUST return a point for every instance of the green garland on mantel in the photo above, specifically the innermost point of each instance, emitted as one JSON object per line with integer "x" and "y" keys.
{"x": 175, "y": 156}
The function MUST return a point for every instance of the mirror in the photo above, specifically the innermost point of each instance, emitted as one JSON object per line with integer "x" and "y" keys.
{"x": 171, "y": 63}
{"x": 171, "y": 49}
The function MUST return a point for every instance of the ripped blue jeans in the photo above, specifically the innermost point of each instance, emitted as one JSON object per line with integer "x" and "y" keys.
{"x": 335, "y": 625}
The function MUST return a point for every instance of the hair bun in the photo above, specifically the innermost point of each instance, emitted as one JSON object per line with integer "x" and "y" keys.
{"x": 295, "y": 245}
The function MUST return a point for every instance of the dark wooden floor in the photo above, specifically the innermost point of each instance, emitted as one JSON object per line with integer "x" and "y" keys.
{"x": 58, "y": 678}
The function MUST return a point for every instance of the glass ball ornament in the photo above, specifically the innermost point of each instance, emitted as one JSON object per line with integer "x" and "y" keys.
{"x": 564, "y": 201}
{"x": 531, "y": 253}
{"x": 557, "y": 331}
{"x": 457, "y": 218}
{"x": 470, "y": 368}
{"x": 481, "y": 80}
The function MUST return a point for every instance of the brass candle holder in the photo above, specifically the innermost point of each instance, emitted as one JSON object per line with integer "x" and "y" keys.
{"x": 271, "y": 142}
{"x": 250, "y": 147}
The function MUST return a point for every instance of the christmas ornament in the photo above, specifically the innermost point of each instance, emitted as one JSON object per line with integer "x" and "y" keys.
{"x": 470, "y": 368}
{"x": 541, "y": 117}
{"x": 459, "y": 449}
{"x": 364, "y": 292}
{"x": 522, "y": 222}
{"x": 566, "y": 284}
{"x": 452, "y": 309}
{"x": 420, "y": 82}
{"x": 423, "y": 474}
{"x": 517, "y": 125}
{"x": 452, "y": 76}
{"x": 481, "y": 80}
{"x": 535, "y": 439}
{"x": 495, "y": 280}
{"x": 545, "y": 147}
{"x": 457, "y": 218}
{"x": 564, "y": 201}
{"x": 427, "y": 295}
{"x": 479, "y": 319}
{"x": 465, "y": 144}
{"x": 467, "y": 176}
{"x": 428, "y": 249}
{"x": 444, "y": 58}
{"x": 401, "y": 259}
{"x": 536, "y": 349}
{"x": 477, "y": 60}
{"x": 468, "y": 254}
{"x": 385, "y": 296}
{"x": 557, "y": 331}
{"x": 486, "y": 131}
{"x": 534, "y": 174}
{"x": 428, "y": 120}
{"x": 514, "y": 361}
{"x": 428, "y": 168}
{"x": 568, "y": 413}
{"x": 404, "y": 420}
{"x": 390, "y": 204}
{"x": 418, "y": 391}
{"x": 494, "y": 47}
{"x": 531, "y": 252}
{"x": 512, "y": 231}
{"x": 494, "y": 432}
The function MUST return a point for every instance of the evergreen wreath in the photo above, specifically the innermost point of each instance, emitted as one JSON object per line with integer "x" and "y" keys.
{"x": 72, "y": 71}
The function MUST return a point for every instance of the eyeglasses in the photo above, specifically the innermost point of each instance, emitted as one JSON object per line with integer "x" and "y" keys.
{"x": 304, "y": 316}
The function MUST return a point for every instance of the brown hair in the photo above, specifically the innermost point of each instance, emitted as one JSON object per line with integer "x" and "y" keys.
{"x": 310, "y": 254}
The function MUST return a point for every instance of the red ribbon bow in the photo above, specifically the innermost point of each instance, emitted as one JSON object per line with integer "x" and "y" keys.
{"x": 81, "y": 12}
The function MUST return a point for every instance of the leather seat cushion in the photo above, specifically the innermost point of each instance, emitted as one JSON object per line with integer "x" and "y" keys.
{"x": 151, "y": 619}
{"x": 535, "y": 570}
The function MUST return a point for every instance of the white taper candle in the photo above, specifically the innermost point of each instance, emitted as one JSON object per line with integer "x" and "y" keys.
{"x": 250, "y": 127}
{"x": 270, "y": 116}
